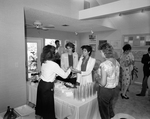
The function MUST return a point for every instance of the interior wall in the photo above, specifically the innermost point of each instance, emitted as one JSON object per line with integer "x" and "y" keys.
{"x": 61, "y": 35}
{"x": 12, "y": 50}
{"x": 12, "y": 46}
{"x": 127, "y": 24}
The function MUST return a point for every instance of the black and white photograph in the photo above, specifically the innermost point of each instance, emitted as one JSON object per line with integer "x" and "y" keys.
{"x": 75, "y": 59}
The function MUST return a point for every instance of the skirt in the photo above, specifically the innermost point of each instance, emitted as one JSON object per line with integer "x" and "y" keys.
{"x": 45, "y": 100}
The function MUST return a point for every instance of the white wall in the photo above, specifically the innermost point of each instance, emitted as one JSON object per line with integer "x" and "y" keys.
{"x": 12, "y": 50}
{"x": 67, "y": 8}
{"x": 138, "y": 23}
{"x": 12, "y": 45}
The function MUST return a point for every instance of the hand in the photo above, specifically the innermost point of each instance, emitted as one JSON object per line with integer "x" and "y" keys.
{"x": 69, "y": 68}
{"x": 75, "y": 70}
{"x": 96, "y": 76}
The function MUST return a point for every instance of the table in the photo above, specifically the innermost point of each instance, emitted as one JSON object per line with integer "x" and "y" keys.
{"x": 69, "y": 107}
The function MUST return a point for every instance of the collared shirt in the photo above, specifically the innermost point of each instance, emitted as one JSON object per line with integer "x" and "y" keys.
{"x": 49, "y": 69}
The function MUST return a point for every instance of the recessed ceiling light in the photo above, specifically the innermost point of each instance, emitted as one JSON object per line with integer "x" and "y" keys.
{"x": 142, "y": 10}
{"x": 65, "y": 25}
{"x": 120, "y": 14}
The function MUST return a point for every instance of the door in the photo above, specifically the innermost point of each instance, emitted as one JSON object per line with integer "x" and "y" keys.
{"x": 34, "y": 49}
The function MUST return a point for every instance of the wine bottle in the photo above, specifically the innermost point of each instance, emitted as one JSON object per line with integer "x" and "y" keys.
{"x": 12, "y": 114}
{"x": 7, "y": 113}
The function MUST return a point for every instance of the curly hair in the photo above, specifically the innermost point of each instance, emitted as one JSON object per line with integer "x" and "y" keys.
{"x": 126, "y": 47}
{"x": 48, "y": 53}
{"x": 69, "y": 44}
{"x": 107, "y": 49}
{"x": 88, "y": 48}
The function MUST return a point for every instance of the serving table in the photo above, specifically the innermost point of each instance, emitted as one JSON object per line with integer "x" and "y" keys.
{"x": 67, "y": 106}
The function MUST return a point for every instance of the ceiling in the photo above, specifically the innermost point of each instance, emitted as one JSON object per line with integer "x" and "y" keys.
{"x": 75, "y": 25}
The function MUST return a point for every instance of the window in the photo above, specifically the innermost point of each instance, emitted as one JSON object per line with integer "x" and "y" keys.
{"x": 51, "y": 42}
{"x": 32, "y": 56}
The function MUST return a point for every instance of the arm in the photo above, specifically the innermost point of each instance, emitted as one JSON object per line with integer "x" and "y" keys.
{"x": 62, "y": 62}
{"x": 97, "y": 75}
{"x": 59, "y": 71}
{"x": 76, "y": 60}
{"x": 144, "y": 60}
{"x": 79, "y": 64}
{"x": 103, "y": 80}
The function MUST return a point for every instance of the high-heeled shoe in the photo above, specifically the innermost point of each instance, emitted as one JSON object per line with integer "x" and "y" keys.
{"x": 124, "y": 97}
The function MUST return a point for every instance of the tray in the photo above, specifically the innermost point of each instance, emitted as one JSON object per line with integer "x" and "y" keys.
{"x": 24, "y": 110}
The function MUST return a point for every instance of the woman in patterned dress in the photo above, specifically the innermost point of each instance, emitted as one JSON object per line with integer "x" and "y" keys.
{"x": 126, "y": 62}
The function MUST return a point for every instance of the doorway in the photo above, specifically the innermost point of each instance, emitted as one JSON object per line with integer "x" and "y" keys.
{"x": 34, "y": 48}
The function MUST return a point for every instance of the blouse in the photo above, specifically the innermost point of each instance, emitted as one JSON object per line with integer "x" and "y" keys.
{"x": 112, "y": 72}
{"x": 49, "y": 69}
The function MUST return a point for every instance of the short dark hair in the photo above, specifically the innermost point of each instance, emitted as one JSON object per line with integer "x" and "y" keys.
{"x": 69, "y": 44}
{"x": 107, "y": 49}
{"x": 88, "y": 48}
{"x": 48, "y": 53}
{"x": 126, "y": 47}
{"x": 56, "y": 41}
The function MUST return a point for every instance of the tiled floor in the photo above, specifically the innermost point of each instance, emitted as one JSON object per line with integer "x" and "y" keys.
{"x": 137, "y": 107}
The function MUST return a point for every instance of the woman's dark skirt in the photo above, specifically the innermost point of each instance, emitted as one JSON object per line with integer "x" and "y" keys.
{"x": 45, "y": 100}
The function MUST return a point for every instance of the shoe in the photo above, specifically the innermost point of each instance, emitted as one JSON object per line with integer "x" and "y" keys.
{"x": 140, "y": 94}
{"x": 124, "y": 97}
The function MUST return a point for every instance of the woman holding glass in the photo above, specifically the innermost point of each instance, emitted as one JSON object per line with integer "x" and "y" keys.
{"x": 85, "y": 66}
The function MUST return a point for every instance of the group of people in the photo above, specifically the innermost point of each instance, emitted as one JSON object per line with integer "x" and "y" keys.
{"x": 107, "y": 76}
{"x": 54, "y": 65}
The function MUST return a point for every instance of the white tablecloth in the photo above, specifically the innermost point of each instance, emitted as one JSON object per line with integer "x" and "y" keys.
{"x": 69, "y": 107}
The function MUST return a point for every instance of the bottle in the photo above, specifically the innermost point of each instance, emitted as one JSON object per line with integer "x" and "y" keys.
{"x": 7, "y": 113}
{"x": 12, "y": 114}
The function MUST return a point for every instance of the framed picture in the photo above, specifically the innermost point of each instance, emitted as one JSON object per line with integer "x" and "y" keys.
{"x": 93, "y": 45}
{"x": 92, "y": 37}
{"x": 101, "y": 42}
{"x": 51, "y": 42}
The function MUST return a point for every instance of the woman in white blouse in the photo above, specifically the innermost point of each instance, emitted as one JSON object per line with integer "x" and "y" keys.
{"x": 85, "y": 66}
{"x": 69, "y": 59}
{"x": 108, "y": 80}
{"x": 45, "y": 92}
